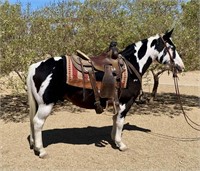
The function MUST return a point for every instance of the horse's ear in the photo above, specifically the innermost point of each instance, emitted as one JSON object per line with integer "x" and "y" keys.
{"x": 168, "y": 34}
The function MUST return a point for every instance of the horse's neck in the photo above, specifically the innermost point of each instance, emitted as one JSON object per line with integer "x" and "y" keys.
{"x": 141, "y": 54}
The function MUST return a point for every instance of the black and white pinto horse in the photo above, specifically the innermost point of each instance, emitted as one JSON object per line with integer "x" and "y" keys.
{"x": 46, "y": 84}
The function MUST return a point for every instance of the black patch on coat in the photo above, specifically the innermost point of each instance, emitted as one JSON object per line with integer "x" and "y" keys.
{"x": 153, "y": 43}
{"x": 129, "y": 54}
{"x": 159, "y": 45}
{"x": 146, "y": 66}
{"x": 56, "y": 88}
{"x": 42, "y": 71}
{"x": 143, "y": 49}
{"x": 161, "y": 58}
{"x": 174, "y": 52}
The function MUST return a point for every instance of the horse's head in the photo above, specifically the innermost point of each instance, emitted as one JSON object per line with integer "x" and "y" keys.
{"x": 167, "y": 53}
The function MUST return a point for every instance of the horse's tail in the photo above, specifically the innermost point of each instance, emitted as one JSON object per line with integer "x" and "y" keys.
{"x": 31, "y": 99}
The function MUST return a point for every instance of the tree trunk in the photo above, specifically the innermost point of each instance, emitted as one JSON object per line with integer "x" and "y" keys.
{"x": 155, "y": 86}
{"x": 156, "y": 83}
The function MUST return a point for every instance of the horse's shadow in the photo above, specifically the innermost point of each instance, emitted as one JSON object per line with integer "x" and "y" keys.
{"x": 100, "y": 136}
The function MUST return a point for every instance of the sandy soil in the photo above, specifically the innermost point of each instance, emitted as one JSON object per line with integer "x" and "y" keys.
{"x": 156, "y": 134}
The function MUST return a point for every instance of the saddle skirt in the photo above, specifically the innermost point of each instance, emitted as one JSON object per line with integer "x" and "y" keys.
{"x": 75, "y": 77}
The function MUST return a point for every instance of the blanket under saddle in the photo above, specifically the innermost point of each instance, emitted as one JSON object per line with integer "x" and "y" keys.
{"x": 75, "y": 77}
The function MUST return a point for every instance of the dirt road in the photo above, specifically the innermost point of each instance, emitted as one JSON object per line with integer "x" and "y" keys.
{"x": 157, "y": 135}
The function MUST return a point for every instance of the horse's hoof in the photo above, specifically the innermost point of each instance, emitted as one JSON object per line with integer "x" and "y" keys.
{"x": 124, "y": 148}
{"x": 43, "y": 155}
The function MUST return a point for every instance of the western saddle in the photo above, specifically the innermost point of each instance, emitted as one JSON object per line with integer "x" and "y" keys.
{"x": 112, "y": 65}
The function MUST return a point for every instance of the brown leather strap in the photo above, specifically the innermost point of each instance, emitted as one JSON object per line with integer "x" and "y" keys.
{"x": 138, "y": 75}
{"x": 132, "y": 68}
{"x": 83, "y": 78}
{"x": 98, "y": 108}
{"x": 93, "y": 83}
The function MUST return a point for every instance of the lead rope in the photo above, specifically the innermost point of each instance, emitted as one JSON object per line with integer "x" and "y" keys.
{"x": 174, "y": 71}
{"x": 187, "y": 118}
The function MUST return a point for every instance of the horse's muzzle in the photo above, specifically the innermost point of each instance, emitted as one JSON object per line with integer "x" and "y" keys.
{"x": 179, "y": 68}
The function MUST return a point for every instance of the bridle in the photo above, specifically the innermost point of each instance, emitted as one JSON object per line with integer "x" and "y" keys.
{"x": 190, "y": 122}
{"x": 172, "y": 63}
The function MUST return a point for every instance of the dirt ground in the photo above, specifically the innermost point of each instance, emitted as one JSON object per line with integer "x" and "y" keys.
{"x": 157, "y": 135}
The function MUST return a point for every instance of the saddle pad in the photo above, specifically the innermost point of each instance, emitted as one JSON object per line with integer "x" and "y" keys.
{"x": 75, "y": 77}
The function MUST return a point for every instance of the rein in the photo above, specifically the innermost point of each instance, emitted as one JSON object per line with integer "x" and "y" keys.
{"x": 190, "y": 122}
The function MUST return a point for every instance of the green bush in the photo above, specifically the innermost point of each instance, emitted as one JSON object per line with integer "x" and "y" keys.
{"x": 27, "y": 36}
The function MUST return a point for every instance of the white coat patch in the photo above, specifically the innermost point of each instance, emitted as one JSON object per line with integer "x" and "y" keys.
{"x": 45, "y": 85}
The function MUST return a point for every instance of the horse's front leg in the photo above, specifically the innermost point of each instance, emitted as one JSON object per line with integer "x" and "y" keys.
{"x": 118, "y": 123}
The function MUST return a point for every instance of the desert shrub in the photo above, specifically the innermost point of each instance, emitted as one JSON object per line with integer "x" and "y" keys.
{"x": 26, "y": 36}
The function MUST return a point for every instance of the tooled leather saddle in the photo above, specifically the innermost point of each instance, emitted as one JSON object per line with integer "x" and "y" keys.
{"x": 112, "y": 65}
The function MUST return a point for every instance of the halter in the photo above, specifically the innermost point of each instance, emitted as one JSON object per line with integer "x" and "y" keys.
{"x": 190, "y": 122}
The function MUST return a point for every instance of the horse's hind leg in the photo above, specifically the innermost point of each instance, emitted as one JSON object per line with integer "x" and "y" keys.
{"x": 32, "y": 114}
{"x": 38, "y": 122}
{"x": 31, "y": 138}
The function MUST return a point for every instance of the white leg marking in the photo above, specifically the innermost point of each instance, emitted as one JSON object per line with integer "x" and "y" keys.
{"x": 39, "y": 119}
{"x": 118, "y": 124}
{"x": 113, "y": 132}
